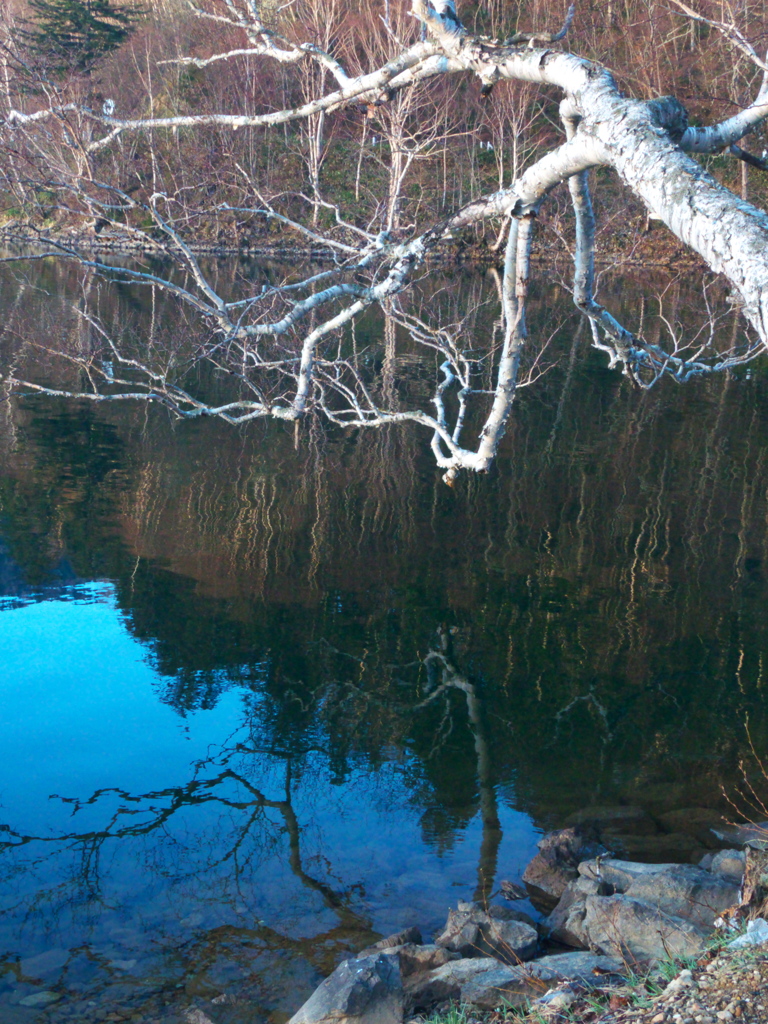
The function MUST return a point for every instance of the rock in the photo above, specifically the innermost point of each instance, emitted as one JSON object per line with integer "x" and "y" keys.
{"x": 193, "y": 920}
{"x": 674, "y": 847}
{"x": 450, "y": 981}
{"x": 577, "y": 966}
{"x": 634, "y": 930}
{"x": 616, "y": 820}
{"x": 619, "y": 873}
{"x": 683, "y": 980}
{"x": 420, "y": 959}
{"x": 660, "y": 796}
{"x": 686, "y": 891}
{"x": 556, "y": 863}
{"x": 123, "y": 965}
{"x": 44, "y": 963}
{"x": 472, "y": 932}
{"x": 486, "y": 984}
{"x": 39, "y": 999}
{"x": 566, "y": 922}
{"x": 696, "y": 821}
{"x": 744, "y": 835}
{"x": 506, "y": 913}
{"x": 729, "y": 864}
{"x": 365, "y": 990}
{"x": 755, "y": 935}
{"x": 195, "y": 1016}
{"x": 558, "y": 999}
{"x": 408, "y": 936}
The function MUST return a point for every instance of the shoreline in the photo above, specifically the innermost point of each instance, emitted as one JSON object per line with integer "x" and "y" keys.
{"x": 654, "y": 250}
{"x": 619, "y": 935}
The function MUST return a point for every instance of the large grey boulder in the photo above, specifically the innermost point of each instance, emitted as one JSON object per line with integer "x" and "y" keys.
{"x": 365, "y": 990}
{"x": 686, "y": 891}
{"x": 556, "y": 863}
{"x": 638, "y": 931}
{"x": 473, "y": 932}
{"x": 683, "y": 890}
{"x": 485, "y": 983}
{"x": 566, "y": 922}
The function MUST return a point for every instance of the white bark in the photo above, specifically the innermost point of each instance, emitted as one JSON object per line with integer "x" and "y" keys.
{"x": 648, "y": 144}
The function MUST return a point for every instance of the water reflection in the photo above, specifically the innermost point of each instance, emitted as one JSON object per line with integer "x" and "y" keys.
{"x": 292, "y": 692}
{"x": 143, "y": 843}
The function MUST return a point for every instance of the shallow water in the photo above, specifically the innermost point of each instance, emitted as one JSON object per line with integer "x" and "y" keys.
{"x": 265, "y": 698}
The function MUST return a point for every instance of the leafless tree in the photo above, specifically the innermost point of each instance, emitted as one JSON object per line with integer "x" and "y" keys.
{"x": 282, "y": 347}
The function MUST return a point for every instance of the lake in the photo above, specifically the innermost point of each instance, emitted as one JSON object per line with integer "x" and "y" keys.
{"x": 270, "y": 694}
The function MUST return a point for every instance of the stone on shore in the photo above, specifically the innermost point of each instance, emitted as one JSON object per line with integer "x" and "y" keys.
{"x": 686, "y": 891}
{"x": 619, "y": 874}
{"x": 484, "y": 983}
{"x": 408, "y": 936}
{"x": 416, "y": 959}
{"x": 646, "y": 911}
{"x": 744, "y": 835}
{"x": 638, "y": 931}
{"x": 556, "y": 863}
{"x": 729, "y": 864}
{"x": 472, "y": 932}
{"x": 566, "y": 922}
{"x": 367, "y": 990}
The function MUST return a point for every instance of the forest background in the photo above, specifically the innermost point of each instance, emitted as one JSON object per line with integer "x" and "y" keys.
{"x": 419, "y": 156}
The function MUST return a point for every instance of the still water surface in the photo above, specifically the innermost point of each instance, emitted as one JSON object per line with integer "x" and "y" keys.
{"x": 264, "y": 699}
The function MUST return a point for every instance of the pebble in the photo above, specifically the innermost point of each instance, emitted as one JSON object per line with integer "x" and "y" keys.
{"x": 40, "y": 999}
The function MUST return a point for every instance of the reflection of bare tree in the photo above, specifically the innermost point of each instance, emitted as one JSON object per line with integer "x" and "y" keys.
{"x": 147, "y": 814}
{"x": 451, "y": 677}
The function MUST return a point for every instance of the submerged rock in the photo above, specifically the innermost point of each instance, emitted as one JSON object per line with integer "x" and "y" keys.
{"x": 40, "y": 999}
{"x": 619, "y": 820}
{"x": 673, "y": 847}
{"x": 696, "y": 821}
{"x": 44, "y": 964}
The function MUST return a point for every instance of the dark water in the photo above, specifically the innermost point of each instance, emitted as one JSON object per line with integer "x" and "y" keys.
{"x": 267, "y": 696}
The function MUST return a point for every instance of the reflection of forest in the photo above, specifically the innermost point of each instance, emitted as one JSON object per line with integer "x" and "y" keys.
{"x": 604, "y": 588}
